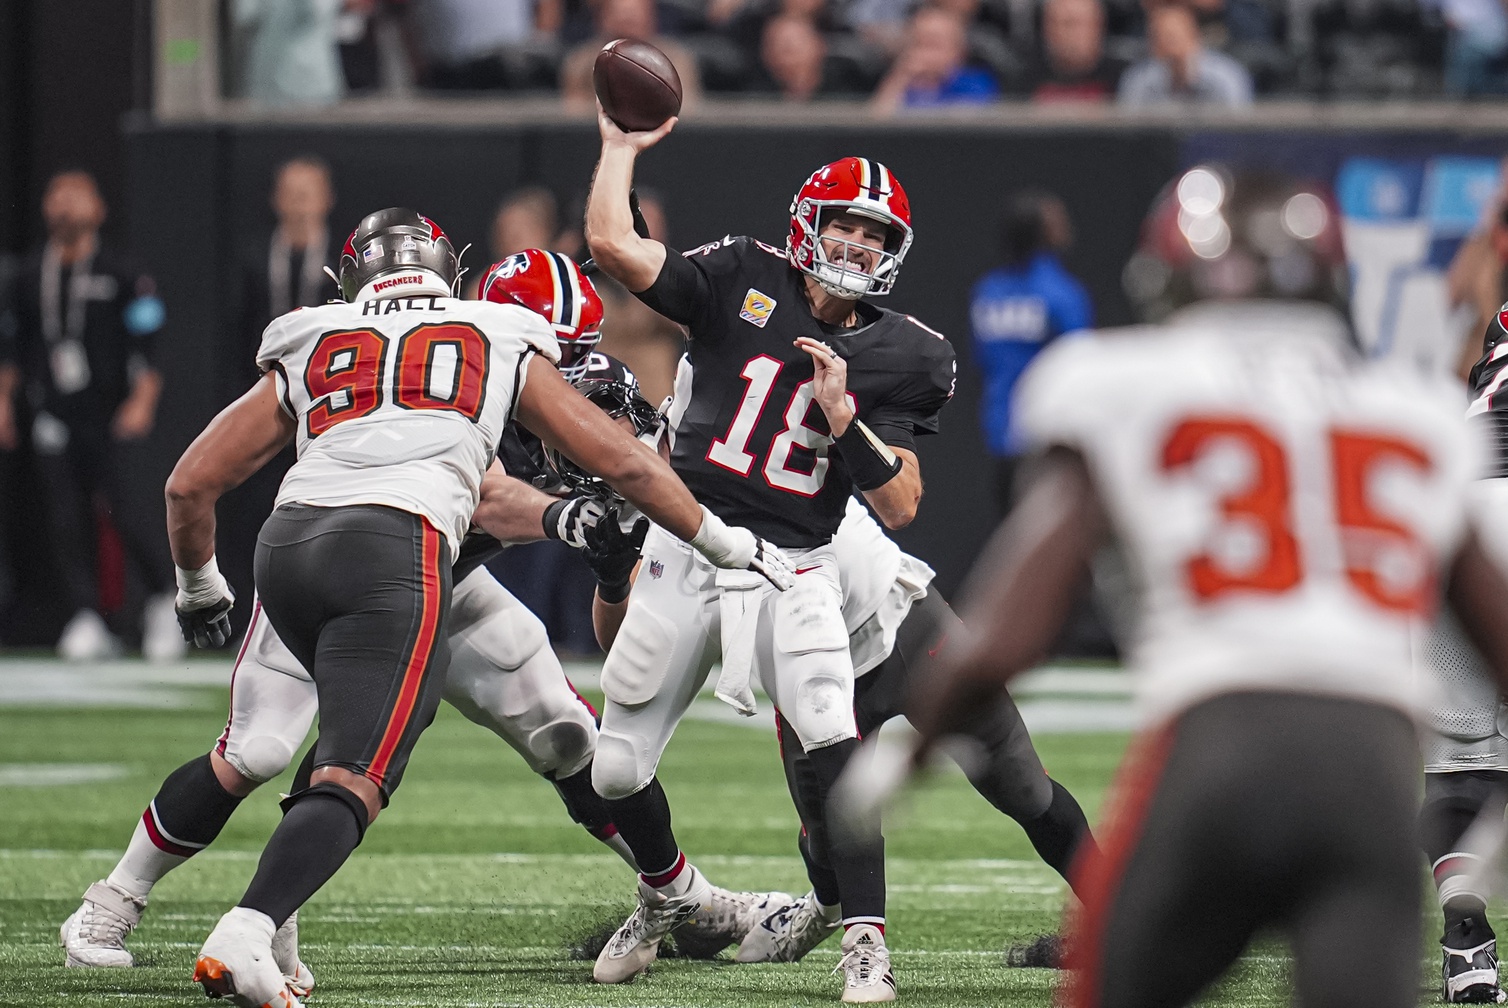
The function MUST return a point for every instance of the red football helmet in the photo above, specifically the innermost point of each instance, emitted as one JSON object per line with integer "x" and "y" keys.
{"x": 551, "y": 285}
{"x": 855, "y": 186}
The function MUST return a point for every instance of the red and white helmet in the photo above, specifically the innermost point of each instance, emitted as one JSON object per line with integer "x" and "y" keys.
{"x": 856, "y": 186}
{"x": 551, "y": 285}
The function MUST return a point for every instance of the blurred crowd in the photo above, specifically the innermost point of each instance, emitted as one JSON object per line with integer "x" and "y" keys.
{"x": 897, "y": 54}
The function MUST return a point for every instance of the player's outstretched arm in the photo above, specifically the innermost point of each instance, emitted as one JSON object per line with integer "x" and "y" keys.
{"x": 512, "y": 511}
{"x": 564, "y": 419}
{"x": 628, "y": 258}
{"x": 238, "y": 442}
{"x": 1017, "y": 597}
{"x": 1477, "y": 590}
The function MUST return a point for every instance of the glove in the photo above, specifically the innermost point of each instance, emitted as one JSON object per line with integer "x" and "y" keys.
{"x": 569, "y": 518}
{"x": 611, "y": 552}
{"x": 203, "y": 605}
{"x": 734, "y": 548}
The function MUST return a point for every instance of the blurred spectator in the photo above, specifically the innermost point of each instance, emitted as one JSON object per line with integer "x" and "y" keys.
{"x": 526, "y": 218}
{"x": 282, "y": 271}
{"x": 1476, "y": 47}
{"x": 1015, "y": 311}
{"x": 1072, "y": 65}
{"x": 647, "y": 342}
{"x": 380, "y": 47}
{"x": 881, "y": 23}
{"x": 1180, "y": 68}
{"x": 83, "y": 323}
{"x": 930, "y": 70}
{"x": 290, "y": 55}
{"x": 624, "y": 19}
{"x": 793, "y": 59}
{"x": 476, "y": 45}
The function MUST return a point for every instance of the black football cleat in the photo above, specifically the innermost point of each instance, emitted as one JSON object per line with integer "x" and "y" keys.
{"x": 1469, "y": 964}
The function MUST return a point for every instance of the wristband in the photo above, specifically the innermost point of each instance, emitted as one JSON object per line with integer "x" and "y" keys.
{"x": 870, "y": 462}
{"x": 613, "y": 594}
{"x": 551, "y": 519}
{"x": 202, "y": 585}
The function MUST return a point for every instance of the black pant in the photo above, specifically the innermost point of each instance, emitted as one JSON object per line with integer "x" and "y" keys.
{"x": 70, "y": 484}
{"x": 361, "y": 596}
{"x": 1257, "y": 810}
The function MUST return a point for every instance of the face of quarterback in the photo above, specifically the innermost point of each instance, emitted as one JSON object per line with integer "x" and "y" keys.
{"x": 853, "y": 242}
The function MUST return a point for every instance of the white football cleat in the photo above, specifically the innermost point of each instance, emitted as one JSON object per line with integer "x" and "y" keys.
{"x": 730, "y": 916}
{"x": 285, "y": 953}
{"x": 161, "y": 638}
{"x": 637, "y": 943}
{"x": 787, "y": 933}
{"x": 236, "y": 963}
{"x": 866, "y": 966}
{"x": 95, "y": 935}
{"x": 86, "y": 638}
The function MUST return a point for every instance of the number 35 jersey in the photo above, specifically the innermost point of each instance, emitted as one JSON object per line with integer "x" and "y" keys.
{"x": 400, "y": 401}
{"x": 1286, "y": 508}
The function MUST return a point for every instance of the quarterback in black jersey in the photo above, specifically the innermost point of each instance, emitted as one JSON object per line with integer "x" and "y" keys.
{"x": 794, "y": 394}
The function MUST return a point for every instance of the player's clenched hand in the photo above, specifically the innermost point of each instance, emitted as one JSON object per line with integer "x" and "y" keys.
{"x": 611, "y": 552}
{"x": 829, "y": 383}
{"x": 735, "y": 548}
{"x": 612, "y": 135}
{"x": 203, "y": 605}
{"x": 568, "y": 520}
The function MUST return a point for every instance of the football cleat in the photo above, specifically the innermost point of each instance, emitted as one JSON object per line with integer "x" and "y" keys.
{"x": 236, "y": 963}
{"x": 787, "y": 933}
{"x": 865, "y": 966}
{"x": 1469, "y": 964}
{"x": 95, "y": 935}
{"x": 730, "y": 916}
{"x": 285, "y": 953}
{"x": 636, "y": 944}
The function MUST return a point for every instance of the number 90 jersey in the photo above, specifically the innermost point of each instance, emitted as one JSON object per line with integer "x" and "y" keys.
{"x": 1286, "y": 508}
{"x": 400, "y": 401}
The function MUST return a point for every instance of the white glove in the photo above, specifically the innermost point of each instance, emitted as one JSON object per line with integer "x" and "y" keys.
{"x": 568, "y": 519}
{"x": 203, "y": 605}
{"x": 732, "y": 547}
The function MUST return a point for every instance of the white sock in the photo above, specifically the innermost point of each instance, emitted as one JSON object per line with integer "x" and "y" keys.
{"x": 829, "y": 914}
{"x": 143, "y": 865}
{"x": 620, "y": 847}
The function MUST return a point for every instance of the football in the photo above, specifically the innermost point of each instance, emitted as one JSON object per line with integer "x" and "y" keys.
{"x": 636, "y": 84}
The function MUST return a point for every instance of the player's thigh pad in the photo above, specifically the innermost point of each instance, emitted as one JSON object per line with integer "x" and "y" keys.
{"x": 272, "y": 704}
{"x": 505, "y": 677}
{"x": 668, "y": 603}
{"x": 812, "y": 679}
{"x": 1465, "y": 710}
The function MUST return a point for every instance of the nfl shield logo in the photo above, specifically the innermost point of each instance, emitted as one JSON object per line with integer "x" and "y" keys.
{"x": 656, "y": 568}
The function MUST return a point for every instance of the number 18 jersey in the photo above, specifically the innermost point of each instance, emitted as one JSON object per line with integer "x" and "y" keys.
{"x": 1286, "y": 508}
{"x": 400, "y": 401}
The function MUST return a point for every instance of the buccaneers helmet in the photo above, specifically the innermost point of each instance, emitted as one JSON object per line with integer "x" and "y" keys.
{"x": 396, "y": 248}
{"x": 551, "y": 285}
{"x": 1220, "y": 234}
{"x": 854, "y": 186}
{"x": 616, "y": 399}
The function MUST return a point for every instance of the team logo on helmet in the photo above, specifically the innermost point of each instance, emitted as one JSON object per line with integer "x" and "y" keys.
{"x": 861, "y": 187}
{"x": 552, "y": 286}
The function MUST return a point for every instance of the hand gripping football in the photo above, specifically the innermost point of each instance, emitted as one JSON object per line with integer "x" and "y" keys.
{"x": 636, "y": 84}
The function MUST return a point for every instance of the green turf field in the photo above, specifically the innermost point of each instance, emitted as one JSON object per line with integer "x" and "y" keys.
{"x": 473, "y": 885}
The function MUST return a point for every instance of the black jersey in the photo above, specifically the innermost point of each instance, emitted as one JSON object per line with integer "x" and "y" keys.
{"x": 522, "y": 456}
{"x": 749, "y": 440}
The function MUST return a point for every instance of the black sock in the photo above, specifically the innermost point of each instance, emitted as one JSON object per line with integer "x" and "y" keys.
{"x": 582, "y": 802}
{"x": 192, "y": 806}
{"x": 1060, "y": 833}
{"x": 1466, "y": 922}
{"x": 643, "y": 821}
{"x": 858, "y": 862}
{"x": 318, "y": 833}
{"x": 824, "y": 879}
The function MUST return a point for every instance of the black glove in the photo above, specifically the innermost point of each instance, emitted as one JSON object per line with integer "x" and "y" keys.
{"x": 207, "y": 626}
{"x": 569, "y": 519}
{"x": 611, "y": 553}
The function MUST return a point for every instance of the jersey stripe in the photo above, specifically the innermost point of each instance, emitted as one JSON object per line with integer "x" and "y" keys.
{"x": 418, "y": 659}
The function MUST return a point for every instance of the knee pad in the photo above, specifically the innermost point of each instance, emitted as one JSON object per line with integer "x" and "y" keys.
{"x": 261, "y": 758}
{"x": 565, "y": 745}
{"x": 620, "y": 767}
{"x": 824, "y": 711}
{"x": 325, "y": 789}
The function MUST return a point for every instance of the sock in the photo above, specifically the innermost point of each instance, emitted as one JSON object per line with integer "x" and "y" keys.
{"x": 1061, "y": 833}
{"x": 586, "y": 807}
{"x": 824, "y": 880}
{"x": 185, "y": 816}
{"x": 318, "y": 833}
{"x": 857, "y": 863}
{"x": 874, "y": 922}
{"x": 643, "y": 821}
{"x": 673, "y": 881}
{"x": 614, "y": 842}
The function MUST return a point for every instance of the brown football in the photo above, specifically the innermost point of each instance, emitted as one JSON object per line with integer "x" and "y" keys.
{"x": 636, "y": 84}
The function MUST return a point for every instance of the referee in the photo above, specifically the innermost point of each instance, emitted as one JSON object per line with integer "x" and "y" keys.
{"x": 78, "y": 344}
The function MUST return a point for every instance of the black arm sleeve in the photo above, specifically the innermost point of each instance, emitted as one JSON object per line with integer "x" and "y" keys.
{"x": 682, "y": 292}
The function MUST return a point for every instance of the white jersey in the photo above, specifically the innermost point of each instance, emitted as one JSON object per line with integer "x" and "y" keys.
{"x": 400, "y": 401}
{"x": 1286, "y": 509}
